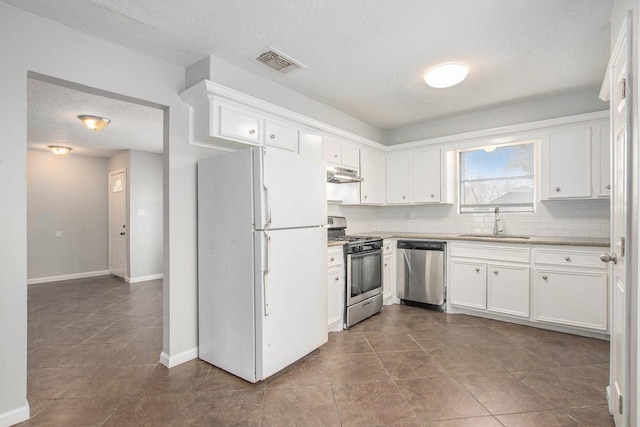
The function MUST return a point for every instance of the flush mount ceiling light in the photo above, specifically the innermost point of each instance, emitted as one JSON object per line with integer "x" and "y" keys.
{"x": 446, "y": 75}
{"x": 94, "y": 122}
{"x": 59, "y": 150}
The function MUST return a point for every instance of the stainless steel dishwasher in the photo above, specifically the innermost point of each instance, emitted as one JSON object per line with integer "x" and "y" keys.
{"x": 421, "y": 273}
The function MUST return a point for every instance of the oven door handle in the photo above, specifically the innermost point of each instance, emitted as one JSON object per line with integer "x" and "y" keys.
{"x": 348, "y": 276}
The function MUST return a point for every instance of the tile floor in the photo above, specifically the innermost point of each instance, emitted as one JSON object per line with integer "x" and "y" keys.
{"x": 94, "y": 346}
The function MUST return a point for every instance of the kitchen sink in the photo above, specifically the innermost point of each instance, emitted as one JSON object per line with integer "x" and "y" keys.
{"x": 494, "y": 236}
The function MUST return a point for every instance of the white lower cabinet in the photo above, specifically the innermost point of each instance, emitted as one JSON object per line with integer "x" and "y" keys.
{"x": 561, "y": 286}
{"x": 479, "y": 279}
{"x": 508, "y": 289}
{"x": 468, "y": 283}
{"x": 388, "y": 273}
{"x": 570, "y": 288}
{"x": 336, "y": 288}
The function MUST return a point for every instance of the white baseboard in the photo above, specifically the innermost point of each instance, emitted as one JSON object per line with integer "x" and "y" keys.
{"x": 178, "y": 359}
{"x": 144, "y": 278}
{"x": 68, "y": 277}
{"x": 15, "y": 416}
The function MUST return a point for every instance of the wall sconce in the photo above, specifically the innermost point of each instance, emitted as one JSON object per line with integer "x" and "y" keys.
{"x": 94, "y": 122}
{"x": 59, "y": 150}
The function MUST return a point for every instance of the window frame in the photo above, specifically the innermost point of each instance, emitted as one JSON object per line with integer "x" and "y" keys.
{"x": 489, "y": 208}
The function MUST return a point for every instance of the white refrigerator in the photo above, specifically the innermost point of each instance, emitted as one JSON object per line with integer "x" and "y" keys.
{"x": 262, "y": 249}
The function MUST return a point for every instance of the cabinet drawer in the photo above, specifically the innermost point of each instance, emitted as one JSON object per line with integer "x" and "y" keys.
{"x": 488, "y": 252}
{"x": 568, "y": 258}
{"x": 239, "y": 124}
{"x": 335, "y": 258}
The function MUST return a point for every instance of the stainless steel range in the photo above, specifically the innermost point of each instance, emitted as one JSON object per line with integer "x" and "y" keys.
{"x": 363, "y": 263}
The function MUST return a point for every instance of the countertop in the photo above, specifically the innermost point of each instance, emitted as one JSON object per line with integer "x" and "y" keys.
{"x": 532, "y": 240}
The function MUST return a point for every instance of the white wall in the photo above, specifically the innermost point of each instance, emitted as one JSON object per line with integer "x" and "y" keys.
{"x": 145, "y": 231}
{"x": 43, "y": 47}
{"x": 66, "y": 194}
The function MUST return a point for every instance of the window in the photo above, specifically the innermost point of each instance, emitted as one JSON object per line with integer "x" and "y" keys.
{"x": 500, "y": 176}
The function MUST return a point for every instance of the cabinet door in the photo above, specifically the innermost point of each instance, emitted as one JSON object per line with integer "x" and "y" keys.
{"x": 335, "y": 298}
{"x": 508, "y": 289}
{"x": 373, "y": 171}
{"x": 468, "y": 284}
{"x": 604, "y": 162}
{"x": 426, "y": 176}
{"x": 331, "y": 150}
{"x": 238, "y": 123}
{"x": 350, "y": 155}
{"x": 568, "y": 160}
{"x": 310, "y": 145}
{"x": 388, "y": 283}
{"x": 571, "y": 298}
{"x": 281, "y": 135}
{"x": 399, "y": 173}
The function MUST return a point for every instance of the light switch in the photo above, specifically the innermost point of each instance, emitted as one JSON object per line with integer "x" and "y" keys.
{"x": 140, "y": 212}
{"x": 58, "y": 234}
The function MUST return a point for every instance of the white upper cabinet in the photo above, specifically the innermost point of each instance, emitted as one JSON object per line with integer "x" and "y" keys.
{"x": 373, "y": 169}
{"x": 426, "y": 176}
{"x": 310, "y": 144}
{"x": 568, "y": 159}
{"x": 339, "y": 152}
{"x": 281, "y": 134}
{"x": 575, "y": 162}
{"x": 399, "y": 178}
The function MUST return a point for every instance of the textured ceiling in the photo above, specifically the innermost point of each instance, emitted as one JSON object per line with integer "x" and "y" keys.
{"x": 367, "y": 57}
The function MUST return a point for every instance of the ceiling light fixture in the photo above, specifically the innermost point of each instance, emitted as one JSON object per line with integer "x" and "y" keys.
{"x": 489, "y": 148}
{"x": 94, "y": 122}
{"x": 446, "y": 75}
{"x": 59, "y": 150}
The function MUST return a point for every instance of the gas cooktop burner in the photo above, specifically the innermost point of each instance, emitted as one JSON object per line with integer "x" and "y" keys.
{"x": 354, "y": 238}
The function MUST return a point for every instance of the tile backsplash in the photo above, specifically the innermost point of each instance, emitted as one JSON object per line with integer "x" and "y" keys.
{"x": 572, "y": 218}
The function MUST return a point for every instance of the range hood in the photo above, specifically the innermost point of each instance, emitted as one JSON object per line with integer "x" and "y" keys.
{"x": 340, "y": 175}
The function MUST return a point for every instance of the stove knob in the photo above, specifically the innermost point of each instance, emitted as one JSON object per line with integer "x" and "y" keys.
{"x": 357, "y": 248}
{"x": 377, "y": 245}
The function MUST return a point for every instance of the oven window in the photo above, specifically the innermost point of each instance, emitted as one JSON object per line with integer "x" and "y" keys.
{"x": 366, "y": 273}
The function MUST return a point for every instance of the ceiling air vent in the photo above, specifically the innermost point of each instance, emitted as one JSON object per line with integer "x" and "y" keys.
{"x": 278, "y": 61}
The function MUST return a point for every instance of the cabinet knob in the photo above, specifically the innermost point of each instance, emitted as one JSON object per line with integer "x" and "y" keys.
{"x": 608, "y": 186}
{"x": 272, "y": 136}
{"x": 568, "y": 259}
{"x": 337, "y": 278}
{"x": 252, "y": 131}
{"x": 335, "y": 156}
{"x": 495, "y": 272}
{"x": 433, "y": 195}
{"x": 544, "y": 277}
{"x": 385, "y": 264}
{"x": 404, "y": 197}
{"x": 332, "y": 258}
{"x": 365, "y": 196}
{"x": 477, "y": 269}
{"x": 557, "y": 189}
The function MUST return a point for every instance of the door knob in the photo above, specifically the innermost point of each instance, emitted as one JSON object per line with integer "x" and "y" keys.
{"x": 609, "y": 258}
{"x": 122, "y": 234}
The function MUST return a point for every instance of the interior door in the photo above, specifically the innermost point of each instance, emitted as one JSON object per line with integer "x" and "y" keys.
{"x": 118, "y": 223}
{"x": 620, "y": 112}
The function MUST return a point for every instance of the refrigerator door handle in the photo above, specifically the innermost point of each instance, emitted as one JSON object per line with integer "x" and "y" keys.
{"x": 268, "y": 205}
{"x": 265, "y": 275}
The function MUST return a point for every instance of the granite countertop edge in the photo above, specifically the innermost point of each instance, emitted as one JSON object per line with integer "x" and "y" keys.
{"x": 532, "y": 240}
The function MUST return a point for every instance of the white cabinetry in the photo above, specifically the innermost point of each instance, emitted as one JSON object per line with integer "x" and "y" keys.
{"x": 492, "y": 278}
{"x": 336, "y": 288}
{"x": 281, "y": 134}
{"x": 575, "y": 162}
{"x": 388, "y": 276}
{"x": 373, "y": 171}
{"x": 339, "y": 152}
{"x": 399, "y": 178}
{"x": 426, "y": 176}
{"x": 570, "y": 288}
{"x": 310, "y": 144}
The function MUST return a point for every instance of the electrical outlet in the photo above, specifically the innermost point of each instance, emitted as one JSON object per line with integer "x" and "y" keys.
{"x": 58, "y": 234}
{"x": 141, "y": 212}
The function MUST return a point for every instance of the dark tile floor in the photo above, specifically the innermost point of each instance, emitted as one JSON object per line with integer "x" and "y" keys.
{"x": 94, "y": 346}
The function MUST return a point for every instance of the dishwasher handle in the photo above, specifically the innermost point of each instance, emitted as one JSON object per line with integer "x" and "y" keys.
{"x": 421, "y": 245}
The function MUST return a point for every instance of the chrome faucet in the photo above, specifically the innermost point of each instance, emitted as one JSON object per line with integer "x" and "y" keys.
{"x": 497, "y": 222}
